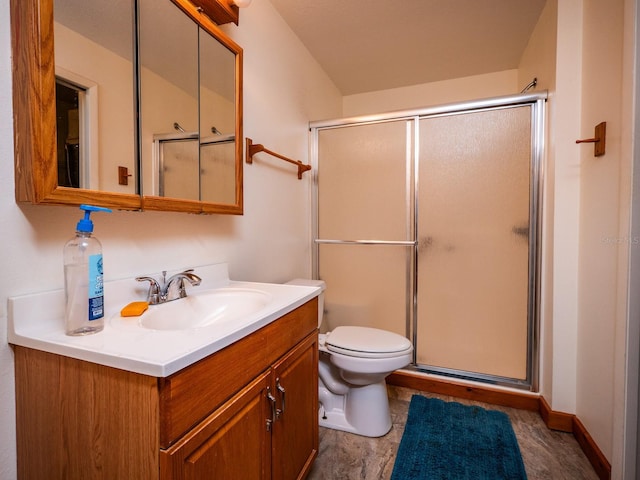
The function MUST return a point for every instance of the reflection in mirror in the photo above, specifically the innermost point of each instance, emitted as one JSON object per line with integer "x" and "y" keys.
{"x": 178, "y": 174}
{"x": 97, "y": 74}
{"x": 69, "y": 101}
{"x": 217, "y": 121}
{"x": 168, "y": 100}
{"x": 177, "y": 158}
{"x": 188, "y": 108}
{"x": 94, "y": 93}
{"x": 218, "y": 169}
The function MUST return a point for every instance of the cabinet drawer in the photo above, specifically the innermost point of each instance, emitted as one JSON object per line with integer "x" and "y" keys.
{"x": 287, "y": 331}
{"x": 191, "y": 394}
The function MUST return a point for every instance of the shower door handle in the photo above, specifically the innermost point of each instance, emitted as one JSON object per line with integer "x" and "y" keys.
{"x": 522, "y": 230}
{"x": 424, "y": 243}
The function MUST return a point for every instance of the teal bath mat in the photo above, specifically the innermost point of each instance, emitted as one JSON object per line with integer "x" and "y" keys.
{"x": 451, "y": 441}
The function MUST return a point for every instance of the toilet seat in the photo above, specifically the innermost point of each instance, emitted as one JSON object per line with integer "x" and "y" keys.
{"x": 366, "y": 342}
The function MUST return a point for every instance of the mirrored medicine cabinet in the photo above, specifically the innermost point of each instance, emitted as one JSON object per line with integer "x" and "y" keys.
{"x": 129, "y": 104}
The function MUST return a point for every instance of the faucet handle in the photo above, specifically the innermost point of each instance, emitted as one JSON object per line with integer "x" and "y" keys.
{"x": 154, "y": 295}
{"x": 176, "y": 289}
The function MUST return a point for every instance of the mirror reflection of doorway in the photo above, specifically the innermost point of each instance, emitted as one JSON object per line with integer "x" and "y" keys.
{"x": 68, "y": 98}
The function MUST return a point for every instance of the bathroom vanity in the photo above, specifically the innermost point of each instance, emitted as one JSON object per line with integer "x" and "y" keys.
{"x": 247, "y": 410}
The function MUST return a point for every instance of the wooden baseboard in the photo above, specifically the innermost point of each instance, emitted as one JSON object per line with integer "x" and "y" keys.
{"x": 600, "y": 464}
{"x": 565, "y": 422}
{"x": 494, "y": 396}
{"x": 556, "y": 420}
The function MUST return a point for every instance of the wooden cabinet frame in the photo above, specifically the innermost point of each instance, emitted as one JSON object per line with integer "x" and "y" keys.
{"x": 34, "y": 113}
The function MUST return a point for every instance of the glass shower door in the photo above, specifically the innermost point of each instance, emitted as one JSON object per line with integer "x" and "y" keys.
{"x": 365, "y": 224}
{"x": 428, "y": 226}
{"x": 473, "y": 242}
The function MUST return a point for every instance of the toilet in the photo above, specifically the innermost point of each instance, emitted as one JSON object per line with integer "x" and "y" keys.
{"x": 354, "y": 362}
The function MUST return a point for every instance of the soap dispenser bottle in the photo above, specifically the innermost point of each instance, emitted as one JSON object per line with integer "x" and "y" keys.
{"x": 83, "y": 284}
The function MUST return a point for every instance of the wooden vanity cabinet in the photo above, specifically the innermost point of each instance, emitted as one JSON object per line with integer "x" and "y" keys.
{"x": 267, "y": 430}
{"x": 248, "y": 412}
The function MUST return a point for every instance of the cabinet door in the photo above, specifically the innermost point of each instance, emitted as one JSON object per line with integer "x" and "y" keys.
{"x": 233, "y": 443}
{"x": 295, "y": 431}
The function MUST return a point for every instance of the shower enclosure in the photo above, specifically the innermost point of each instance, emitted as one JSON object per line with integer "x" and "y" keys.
{"x": 427, "y": 225}
{"x": 194, "y": 168}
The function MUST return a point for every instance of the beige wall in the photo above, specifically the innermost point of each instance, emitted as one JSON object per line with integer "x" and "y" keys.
{"x": 284, "y": 90}
{"x": 434, "y": 93}
{"x": 587, "y": 203}
{"x": 539, "y": 58}
{"x": 603, "y": 230}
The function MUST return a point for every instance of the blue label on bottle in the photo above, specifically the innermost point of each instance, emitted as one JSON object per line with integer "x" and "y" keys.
{"x": 96, "y": 287}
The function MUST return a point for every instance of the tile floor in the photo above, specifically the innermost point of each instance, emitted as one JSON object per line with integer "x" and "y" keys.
{"x": 546, "y": 454}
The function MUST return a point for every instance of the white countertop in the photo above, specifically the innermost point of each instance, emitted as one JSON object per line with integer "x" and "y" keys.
{"x": 37, "y": 321}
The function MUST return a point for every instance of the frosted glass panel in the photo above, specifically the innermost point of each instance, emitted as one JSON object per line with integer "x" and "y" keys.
{"x": 366, "y": 286}
{"x": 473, "y": 242}
{"x": 218, "y": 172}
{"x": 363, "y": 178}
{"x": 180, "y": 169}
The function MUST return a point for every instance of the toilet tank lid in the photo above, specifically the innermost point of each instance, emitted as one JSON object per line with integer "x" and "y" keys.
{"x": 307, "y": 282}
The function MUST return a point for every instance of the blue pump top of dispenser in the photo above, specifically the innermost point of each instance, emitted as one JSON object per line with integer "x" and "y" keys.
{"x": 85, "y": 224}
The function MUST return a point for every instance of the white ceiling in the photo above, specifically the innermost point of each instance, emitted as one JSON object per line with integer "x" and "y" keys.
{"x": 369, "y": 45}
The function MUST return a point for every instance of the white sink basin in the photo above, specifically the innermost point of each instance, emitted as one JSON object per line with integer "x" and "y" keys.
{"x": 173, "y": 336}
{"x": 198, "y": 310}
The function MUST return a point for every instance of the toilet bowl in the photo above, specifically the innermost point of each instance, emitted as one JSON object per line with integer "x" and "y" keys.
{"x": 354, "y": 362}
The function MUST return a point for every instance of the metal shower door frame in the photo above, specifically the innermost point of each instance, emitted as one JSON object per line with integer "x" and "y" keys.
{"x": 537, "y": 103}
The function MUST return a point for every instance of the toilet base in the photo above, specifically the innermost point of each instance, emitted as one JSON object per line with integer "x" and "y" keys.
{"x": 363, "y": 410}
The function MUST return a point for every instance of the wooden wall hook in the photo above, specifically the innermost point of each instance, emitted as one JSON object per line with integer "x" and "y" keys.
{"x": 599, "y": 139}
{"x": 123, "y": 175}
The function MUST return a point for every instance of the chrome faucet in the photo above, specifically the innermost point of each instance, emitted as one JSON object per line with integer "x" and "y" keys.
{"x": 169, "y": 290}
{"x": 175, "y": 288}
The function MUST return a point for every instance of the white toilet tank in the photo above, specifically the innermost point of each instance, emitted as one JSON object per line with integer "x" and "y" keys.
{"x": 305, "y": 282}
